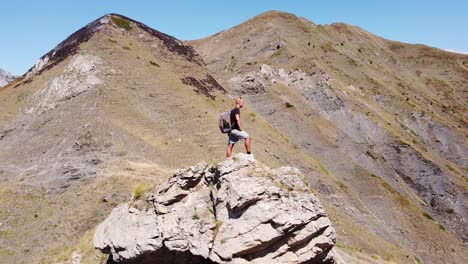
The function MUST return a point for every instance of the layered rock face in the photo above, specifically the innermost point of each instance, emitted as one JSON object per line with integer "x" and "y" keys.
{"x": 235, "y": 212}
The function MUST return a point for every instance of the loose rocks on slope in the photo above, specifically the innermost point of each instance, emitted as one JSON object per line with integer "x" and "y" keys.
{"x": 235, "y": 212}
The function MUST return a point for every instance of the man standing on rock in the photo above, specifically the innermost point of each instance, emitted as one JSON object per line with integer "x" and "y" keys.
{"x": 237, "y": 133}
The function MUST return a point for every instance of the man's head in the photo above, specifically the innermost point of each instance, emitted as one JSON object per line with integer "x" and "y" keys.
{"x": 239, "y": 102}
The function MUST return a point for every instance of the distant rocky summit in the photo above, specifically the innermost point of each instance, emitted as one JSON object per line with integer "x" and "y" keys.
{"x": 235, "y": 212}
{"x": 5, "y": 77}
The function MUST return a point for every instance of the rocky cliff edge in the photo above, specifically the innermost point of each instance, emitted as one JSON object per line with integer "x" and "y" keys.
{"x": 235, "y": 212}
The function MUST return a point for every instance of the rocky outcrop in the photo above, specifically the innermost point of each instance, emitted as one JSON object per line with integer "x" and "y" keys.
{"x": 235, "y": 212}
{"x": 5, "y": 77}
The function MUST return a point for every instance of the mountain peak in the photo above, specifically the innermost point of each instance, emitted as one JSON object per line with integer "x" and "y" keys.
{"x": 116, "y": 21}
{"x": 275, "y": 14}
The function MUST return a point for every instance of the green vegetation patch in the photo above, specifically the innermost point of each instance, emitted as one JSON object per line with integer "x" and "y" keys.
{"x": 195, "y": 217}
{"x": 342, "y": 185}
{"x": 428, "y": 216}
{"x": 323, "y": 169}
{"x": 122, "y": 23}
{"x": 6, "y": 252}
{"x": 418, "y": 260}
{"x": 140, "y": 189}
{"x": 113, "y": 41}
{"x": 452, "y": 169}
{"x": 218, "y": 224}
{"x": 450, "y": 211}
{"x": 289, "y": 105}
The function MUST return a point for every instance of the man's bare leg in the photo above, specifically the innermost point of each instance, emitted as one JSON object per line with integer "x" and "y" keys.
{"x": 247, "y": 145}
{"x": 229, "y": 150}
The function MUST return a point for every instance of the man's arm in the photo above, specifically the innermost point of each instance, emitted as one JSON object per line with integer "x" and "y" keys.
{"x": 238, "y": 122}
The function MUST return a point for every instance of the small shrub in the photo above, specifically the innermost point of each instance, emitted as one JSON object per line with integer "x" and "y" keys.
{"x": 403, "y": 201}
{"x": 428, "y": 216}
{"x": 441, "y": 227}
{"x": 126, "y": 47}
{"x": 140, "y": 189}
{"x": 218, "y": 224}
{"x": 252, "y": 114}
{"x": 450, "y": 168}
{"x": 289, "y": 105}
{"x": 323, "y": 169}
{"x": 450, "y": 211}
{"x": 372, "y": 155}
{"x": 122, "y": 23}
{"x": 112, "y": 41}
{"x": 223, "y": 241}
{"x": 342, "y": 185}
{"x": 154, "y": 63}
{"x": 195, "y": 217}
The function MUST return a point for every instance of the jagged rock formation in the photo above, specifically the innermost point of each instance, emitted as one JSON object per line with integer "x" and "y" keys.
{"x": 5, "y": 77}
{"x": 235, "y": 212}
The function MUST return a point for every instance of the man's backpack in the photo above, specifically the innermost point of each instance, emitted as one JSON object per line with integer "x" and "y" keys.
{"x": 224, "y": 125}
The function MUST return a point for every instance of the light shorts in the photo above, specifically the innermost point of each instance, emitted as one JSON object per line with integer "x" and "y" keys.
{"x": 237, "y": 135}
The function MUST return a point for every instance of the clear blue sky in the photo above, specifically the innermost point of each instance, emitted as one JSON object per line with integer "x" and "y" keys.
{"x": 32, "y": 28}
